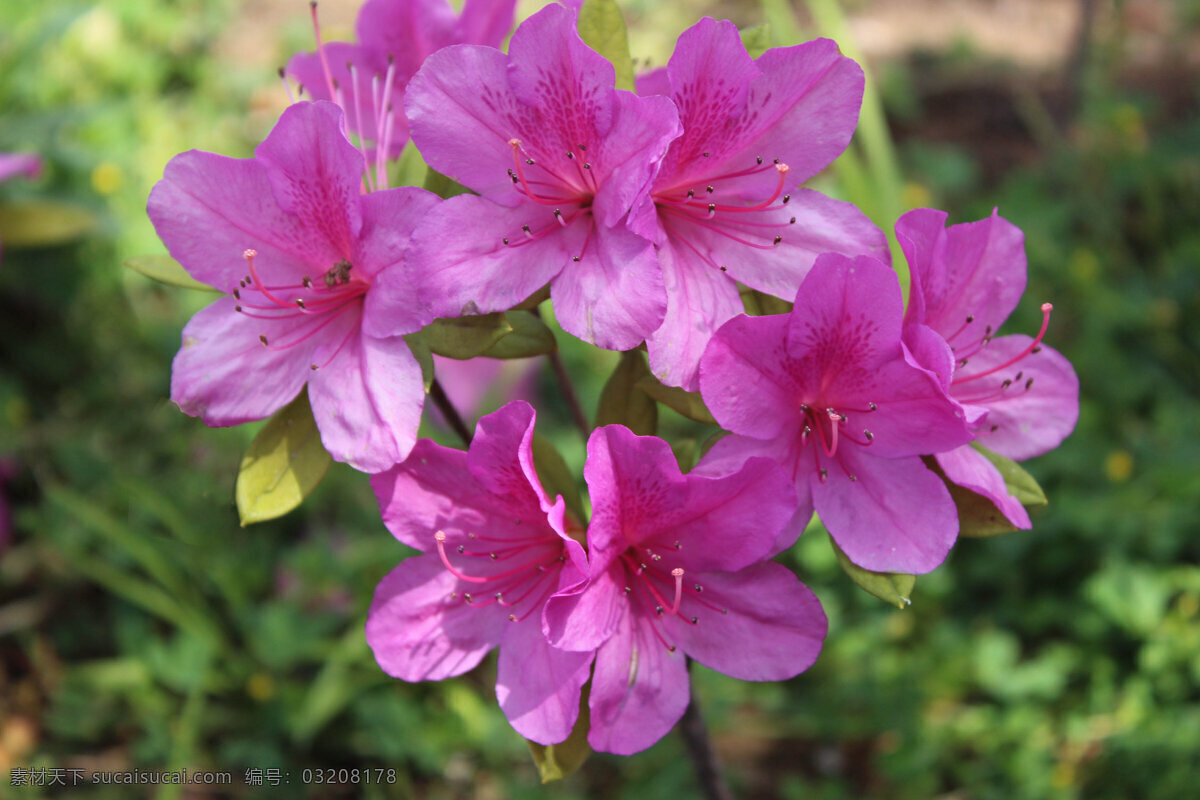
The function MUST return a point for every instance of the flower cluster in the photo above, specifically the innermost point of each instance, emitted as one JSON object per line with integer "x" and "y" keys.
{"x": 642, "y": 216}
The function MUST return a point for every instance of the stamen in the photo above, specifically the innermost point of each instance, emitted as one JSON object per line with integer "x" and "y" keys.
{"x": 1046, "y": 309}
{"x": 440, "y": 538}
{"x": 677, "y": 574}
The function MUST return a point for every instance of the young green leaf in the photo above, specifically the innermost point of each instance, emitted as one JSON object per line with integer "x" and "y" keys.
{"x": 530, "y": 337}
{"x": 465, "y": 337}
{"x": 442, "y": 186}
{"x": 555, "y": 476}
{"x": 758, "y": 304}
{"x": 165, "y": 269}
{"x": 1020, "y": 483}
{"x": 602, "y": 28}
{"x": 284, "y": 464}
{"x": 892, "y": 587}
{"x": 978, "y": 517}
{"x": 41, "y": 223}
{"x": 622, "y": 402}
{"x": 557, "y": 761}
{"x": 690, "y": 404}
{"x": 756, "y": 39}
{"x": 424, "y": 357}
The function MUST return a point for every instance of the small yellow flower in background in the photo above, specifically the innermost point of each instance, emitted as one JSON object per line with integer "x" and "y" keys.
{"x": 107, "y": 178}
{"x": 1118, "y": 466}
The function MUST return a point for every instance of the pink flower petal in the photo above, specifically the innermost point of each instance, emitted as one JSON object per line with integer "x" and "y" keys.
{"x": 538, "y": 685}
{"x": 772, "y": 628}
{"x": 967, "y": 467}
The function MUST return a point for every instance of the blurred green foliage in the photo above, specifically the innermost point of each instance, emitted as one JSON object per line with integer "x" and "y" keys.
{"x": 140, "y": 626}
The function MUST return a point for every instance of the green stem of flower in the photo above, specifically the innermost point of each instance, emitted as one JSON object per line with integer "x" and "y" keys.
{"x": 449, "y": 412}
{"x": 704, "y": 760}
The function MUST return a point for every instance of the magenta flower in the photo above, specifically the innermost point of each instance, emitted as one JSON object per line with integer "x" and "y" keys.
{"x": 318, "y": 292}
{"x": 395, "y": 37}
{"x": 495, "y": 549}
{"x": 678, "y": 568}
{"x": 830, "y": 392}
{"x": 966, "y": 280}
{"x": 28, "y": 165}
{"x": 724, "y": 206}
{"x": 558, "y": 156}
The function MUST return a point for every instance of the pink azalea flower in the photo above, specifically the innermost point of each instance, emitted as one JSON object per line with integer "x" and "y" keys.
{"x": 395, "y": 37}
{"x": 28, "y": 165}
{"x": 495, "y": 549}
{"x": 678, "y": 567}
{"x": 830, "y": 392}
{"x": 558, "y": 157}
{"x": 966, "y": 280}
{"x": 318, "y": 291}
{"x": 724, "y": 206}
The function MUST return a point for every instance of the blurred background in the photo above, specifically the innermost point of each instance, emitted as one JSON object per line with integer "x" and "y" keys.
{"x": 141, "y": 627}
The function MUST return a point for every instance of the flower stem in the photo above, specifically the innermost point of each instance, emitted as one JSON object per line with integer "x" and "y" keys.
{"x": 704, "y": 760}
{"x": 567, "y": 389}
{"x": 449, "y": 412}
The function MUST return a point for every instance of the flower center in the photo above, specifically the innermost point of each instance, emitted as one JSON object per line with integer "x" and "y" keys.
{"x": 568, "y": 193}
{"x": 712, "y": 205}
{"x": 318, "y": 305}
{"x": 538, "y": 558}
{"x": 825, "y": 430}
{"x": 660, "y": 592}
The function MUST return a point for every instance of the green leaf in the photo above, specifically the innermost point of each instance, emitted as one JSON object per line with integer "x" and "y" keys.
{"x": 622, "y": 402}
{"x": 165, "y": 269}
{"x": 555, "y": 476}
{"x": 284, "y": 464}
{"x": 978, "y": 517}
{"x": 534, "y": 300}
{"x": 1020, "y": 483}
{"x": 442, "y": 186}
{"x": 465, "y": 337}
{"x": 529, "y": 337}
{"x": 39, "y": 223}
{"x": 892, "y": 587}
{"x": 758, "y": 304}
{"x": 690, "y": 404}
{"x": 424, "y": 357}
{"x": 557, "y": 761}
{"x": 756, "y": 39}
{"x": 602, "y": 28}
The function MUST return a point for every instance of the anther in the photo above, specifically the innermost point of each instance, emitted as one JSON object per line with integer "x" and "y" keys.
{"x": 512, "y": 617}
{"x": 870, "y": 436}
{"x": 313, "y": 367}
{"x": 712, "y": 210}
{"x": 306, "y": 282}
{"x": 237, "y": 308}
{"x": 706, "y": 155}
{"x": 570, "y": 155}
{"x": 759, "y": 159}
{"x": 575, "y": 258}
{"x": 691, "y": 193}
{"x": 852, "y": 478}
{"x": 824, "y": 475}
{"x": 1036, "y": 349}
{"x": 492, "y": 556}
{"x": 498, "y": 595}
{"x": 775, "y": 161}
{"x": 724, "y": 268}
{"x": 872, "y": 406}
{"x": 695, "y": 620}
{"x": 262, "y": 337}
{"x": 778, "y": 239}
{"x": 530, "y": 161}
{"x": 300, "y": 302}
{"x": 786, "y": 199}
{"x": 587, "y": 165}
{"x": 710, "y": 189}
{"x": 628, "y": 590}
{"x": 462, "y": 548}
{"x": 792, "y": 221}
{"x": 1028, "y": 384}
{"x": 505, "y": 240}
{"x": 970, "y": 318}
